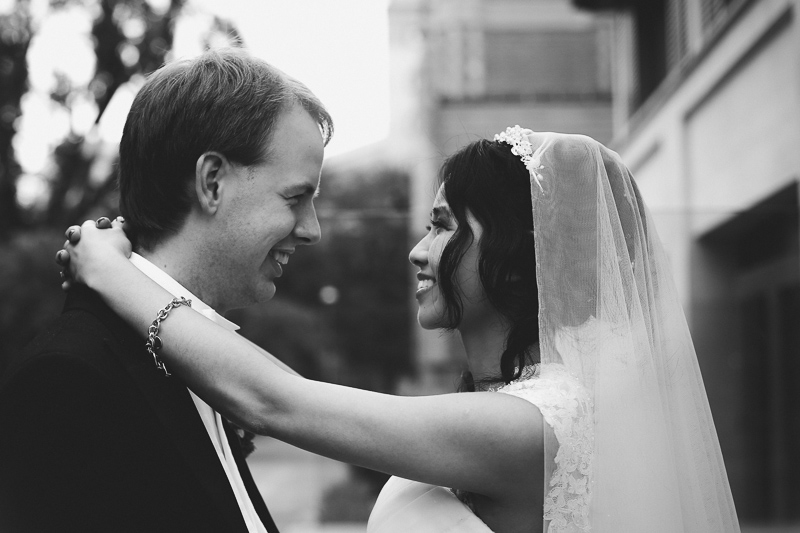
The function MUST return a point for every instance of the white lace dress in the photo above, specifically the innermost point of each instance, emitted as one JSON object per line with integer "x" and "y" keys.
{"x": 409, "y": 506}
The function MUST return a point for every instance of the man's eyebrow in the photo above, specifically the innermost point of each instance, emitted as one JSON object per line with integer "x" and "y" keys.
{"x": 303, "y": 188}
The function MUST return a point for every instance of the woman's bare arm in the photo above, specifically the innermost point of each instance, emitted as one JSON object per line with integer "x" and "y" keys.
{"x": 280, "y": 364}
{"x": 485, "y": 443}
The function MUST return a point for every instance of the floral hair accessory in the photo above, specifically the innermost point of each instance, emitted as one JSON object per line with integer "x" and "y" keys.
{"x": 520, "y": 146}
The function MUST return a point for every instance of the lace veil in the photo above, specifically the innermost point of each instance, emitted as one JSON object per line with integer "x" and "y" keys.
{"x": 609, "y": 312}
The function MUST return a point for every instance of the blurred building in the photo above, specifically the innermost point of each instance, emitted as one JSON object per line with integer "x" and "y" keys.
{"x": 467, "y": 69}
{"x": 707, "y": 115}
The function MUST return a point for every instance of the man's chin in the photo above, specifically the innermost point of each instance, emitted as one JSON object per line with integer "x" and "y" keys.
{"x": 263, "y": 293}
{"x": 266, "y": 292}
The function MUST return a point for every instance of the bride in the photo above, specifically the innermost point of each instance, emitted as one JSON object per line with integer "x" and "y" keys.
{"x": 587, "y": 410}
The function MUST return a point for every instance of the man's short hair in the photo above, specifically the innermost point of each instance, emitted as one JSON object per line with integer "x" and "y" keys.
{"x": 224, "y": 100}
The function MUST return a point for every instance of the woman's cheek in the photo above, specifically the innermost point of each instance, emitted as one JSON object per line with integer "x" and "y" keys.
{"x": 435, "y": 251}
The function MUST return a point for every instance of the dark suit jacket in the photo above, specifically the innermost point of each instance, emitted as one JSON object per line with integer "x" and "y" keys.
{"x": 94, "y": 438}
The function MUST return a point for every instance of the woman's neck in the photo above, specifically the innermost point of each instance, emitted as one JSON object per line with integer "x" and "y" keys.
{"x": 484, "y": 342}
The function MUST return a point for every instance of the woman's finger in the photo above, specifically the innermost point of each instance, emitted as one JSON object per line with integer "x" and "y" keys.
{"x": 73, "y": 232}
{"x": 120, "y": 223}
{"x": 103, "y": 223}
{"x": 62, "y": 257}
{"x": 121, "y": 220}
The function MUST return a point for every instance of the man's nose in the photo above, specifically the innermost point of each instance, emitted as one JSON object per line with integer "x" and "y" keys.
{"x": 307, "y": 228}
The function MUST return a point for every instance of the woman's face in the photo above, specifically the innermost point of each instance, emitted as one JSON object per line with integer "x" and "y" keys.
{"x": 426, "y": 255}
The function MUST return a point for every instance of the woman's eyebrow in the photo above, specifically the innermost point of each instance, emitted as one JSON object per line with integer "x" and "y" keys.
{"x": 441, "y": 212}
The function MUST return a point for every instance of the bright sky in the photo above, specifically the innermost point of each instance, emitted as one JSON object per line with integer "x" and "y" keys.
{"x": 339, "y": 49}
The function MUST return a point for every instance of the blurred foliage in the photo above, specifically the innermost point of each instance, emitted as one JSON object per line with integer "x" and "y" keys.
{"x": 15, "y": 37}
{"x": 359, "y": 337}
{"x": 121, "y": 52}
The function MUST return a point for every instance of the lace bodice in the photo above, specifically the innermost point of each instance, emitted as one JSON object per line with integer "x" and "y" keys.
{"x": 567, "y": 408}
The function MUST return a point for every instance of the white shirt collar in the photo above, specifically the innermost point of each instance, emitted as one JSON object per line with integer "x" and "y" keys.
{"x": 176, "y": 289}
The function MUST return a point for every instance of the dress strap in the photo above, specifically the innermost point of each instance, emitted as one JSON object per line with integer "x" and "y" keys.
{"x": 565, "y": 405}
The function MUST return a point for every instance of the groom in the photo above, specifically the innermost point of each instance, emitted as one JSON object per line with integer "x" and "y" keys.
{"x": 219, "y": 164}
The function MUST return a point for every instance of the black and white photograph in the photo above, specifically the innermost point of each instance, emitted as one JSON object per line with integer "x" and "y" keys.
{"x": 400, "y": 266}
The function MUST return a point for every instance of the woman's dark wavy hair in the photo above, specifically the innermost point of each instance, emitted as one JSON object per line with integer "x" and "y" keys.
{"x": 486, "y": 180}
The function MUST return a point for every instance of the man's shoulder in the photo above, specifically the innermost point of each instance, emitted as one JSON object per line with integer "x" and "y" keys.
{"x": 87, "y": 335}
{"x": 72, "y": 330}
{"x": 83, "y": 358}
{"x": 71, "y": 344}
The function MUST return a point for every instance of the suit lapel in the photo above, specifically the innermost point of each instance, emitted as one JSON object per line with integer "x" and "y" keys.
{"x": 247, "y": 478}
{"x": 170, "y": 400}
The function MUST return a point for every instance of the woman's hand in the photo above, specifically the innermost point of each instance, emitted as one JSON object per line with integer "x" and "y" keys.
{"x": 92, "y": 250}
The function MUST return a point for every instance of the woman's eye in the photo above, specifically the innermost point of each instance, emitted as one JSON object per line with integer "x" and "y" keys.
{"x": 436, "y": 226}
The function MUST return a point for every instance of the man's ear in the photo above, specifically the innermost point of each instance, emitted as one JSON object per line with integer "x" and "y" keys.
{"x": 209, "y": 170}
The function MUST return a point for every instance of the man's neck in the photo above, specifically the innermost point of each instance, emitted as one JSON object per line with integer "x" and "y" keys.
{"x": 182, "y": 266}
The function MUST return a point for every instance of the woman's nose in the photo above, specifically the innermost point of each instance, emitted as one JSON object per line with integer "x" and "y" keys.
{"x": 419, "y": 254}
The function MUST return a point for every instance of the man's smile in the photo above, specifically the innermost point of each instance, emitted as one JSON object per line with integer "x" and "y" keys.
{"x": 280, "y": 256}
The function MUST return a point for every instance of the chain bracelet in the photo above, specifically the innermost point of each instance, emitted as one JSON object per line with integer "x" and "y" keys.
{"x": 154, "y": 343}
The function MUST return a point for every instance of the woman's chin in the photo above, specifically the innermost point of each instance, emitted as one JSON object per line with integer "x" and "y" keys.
{"x": 430, "y": 321}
